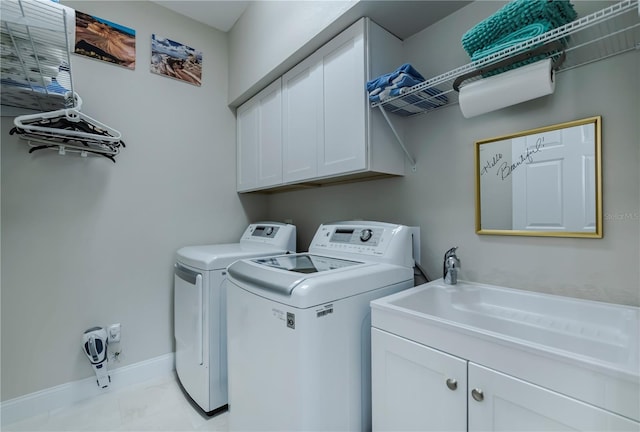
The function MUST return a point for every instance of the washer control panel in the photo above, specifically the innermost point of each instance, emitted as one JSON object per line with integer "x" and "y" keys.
{"x": 356, "y": 236}
{"x": 273, "y": 234}
{"x": 265, "y": 231}
{"x": 367, "y": 241}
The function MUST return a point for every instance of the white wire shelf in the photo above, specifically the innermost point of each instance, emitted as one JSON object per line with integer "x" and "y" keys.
{"x": 608, "y": 32}
{"x": 35, "y": 42}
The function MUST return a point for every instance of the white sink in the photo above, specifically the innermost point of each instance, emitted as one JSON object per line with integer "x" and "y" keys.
{"x": 601, "y": 331}
{"x": 559, "y": 341}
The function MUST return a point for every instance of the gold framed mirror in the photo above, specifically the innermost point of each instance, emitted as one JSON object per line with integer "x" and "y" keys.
{"x": 541, "y": 182}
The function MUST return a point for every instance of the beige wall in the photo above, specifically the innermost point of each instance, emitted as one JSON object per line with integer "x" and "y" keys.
{"x": 272, "y": 36}
{"x": 439, "y": 196}
{"x": 87, "y": 242}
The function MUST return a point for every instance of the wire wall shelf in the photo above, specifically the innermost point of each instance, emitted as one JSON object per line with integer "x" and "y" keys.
{"x": 608, "y": 32}
{"x": 35, "y": 38}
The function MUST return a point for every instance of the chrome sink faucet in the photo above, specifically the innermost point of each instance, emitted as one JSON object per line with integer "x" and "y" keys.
{"x": 450, "y": 267}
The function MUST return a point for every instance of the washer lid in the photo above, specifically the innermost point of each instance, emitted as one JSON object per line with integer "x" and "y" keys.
{"x": 305, "y": 263}
{"x": 219, "y": 256}
{"x": 313, "y": 279}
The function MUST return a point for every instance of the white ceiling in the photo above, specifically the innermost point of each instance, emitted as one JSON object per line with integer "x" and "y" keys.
{"x": 219, "y": 14}
{"x": 403, "y": 18}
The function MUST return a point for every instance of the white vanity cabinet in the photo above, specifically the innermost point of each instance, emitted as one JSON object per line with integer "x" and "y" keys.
{"x": 415, "y": 387}
{"x": 497, "y": 401}
{"x": 329, "y": 130}
{"x": 259, "y": 140}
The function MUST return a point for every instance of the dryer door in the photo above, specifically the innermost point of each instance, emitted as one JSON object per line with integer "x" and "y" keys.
{"x": 190, "y": 332}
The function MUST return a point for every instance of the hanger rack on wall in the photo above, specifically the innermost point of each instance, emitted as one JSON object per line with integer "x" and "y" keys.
{"x": 608, "y": 32}
{"x": 68, "y": 130}
{"x": 36, "y": 39}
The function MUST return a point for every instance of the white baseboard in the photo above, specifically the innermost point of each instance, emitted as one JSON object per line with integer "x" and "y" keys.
{"x": 67, "y": 394}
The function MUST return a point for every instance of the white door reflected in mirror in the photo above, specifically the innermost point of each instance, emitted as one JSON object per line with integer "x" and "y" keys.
{"x": 541, "y": 182}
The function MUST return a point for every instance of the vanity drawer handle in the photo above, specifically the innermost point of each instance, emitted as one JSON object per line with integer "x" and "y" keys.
{"x": 452, "y": 384}
{"x": 477, "y": 394}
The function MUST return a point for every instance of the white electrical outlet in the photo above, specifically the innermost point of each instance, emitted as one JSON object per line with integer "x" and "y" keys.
{"x": 114, "y": 333}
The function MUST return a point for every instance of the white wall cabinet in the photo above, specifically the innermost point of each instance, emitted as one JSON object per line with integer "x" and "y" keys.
{"x": 329, "y": 133}
{"x": 329, "y": 129}
{"x": 415, "y": 387}
{"x": 259, "y": 140}
{"x": 324, "y": 110}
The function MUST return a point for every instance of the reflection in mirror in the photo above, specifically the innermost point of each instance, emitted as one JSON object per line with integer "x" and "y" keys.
{"x": 541, "y": 182}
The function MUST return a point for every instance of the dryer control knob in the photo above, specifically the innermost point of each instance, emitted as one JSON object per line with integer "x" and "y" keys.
{"x": 365, "y": 235}
{"x": 269, "y": 231}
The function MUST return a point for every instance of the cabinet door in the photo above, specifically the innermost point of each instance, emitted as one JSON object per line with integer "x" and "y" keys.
{"x": 247, "y": 145}
{"x": 413, "y": 387}
{"x": 344, "y": 148}
{"x": 270, "y": 136}
{"x": 302, "y": 119}
{"x": 259, "y": 139}
{"x": 509, "y": 404}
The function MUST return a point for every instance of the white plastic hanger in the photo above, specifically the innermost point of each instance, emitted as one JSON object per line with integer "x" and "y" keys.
{"x": 71, "y": 114}
{"x": 30, "y": 128}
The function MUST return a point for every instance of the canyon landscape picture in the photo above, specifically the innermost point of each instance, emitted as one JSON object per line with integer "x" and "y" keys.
{"x": 104, "y": 40}
{"x": 175, "y": 60}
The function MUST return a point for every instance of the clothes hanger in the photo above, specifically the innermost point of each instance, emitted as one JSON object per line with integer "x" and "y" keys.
{"x": 62, "y": 149}
{"x": 57, "y": 137}
{"x": 64, "y": 123}
{"x": 68, "y": 129}
{"x": 100, "y": 132}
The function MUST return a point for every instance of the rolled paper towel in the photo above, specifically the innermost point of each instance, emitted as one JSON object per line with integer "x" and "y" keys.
{"x": 509, "y": 88}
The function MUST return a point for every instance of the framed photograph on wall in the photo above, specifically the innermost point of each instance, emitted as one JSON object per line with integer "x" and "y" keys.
{"x": 105, "y": 40}
{"x": 176, "y": 60}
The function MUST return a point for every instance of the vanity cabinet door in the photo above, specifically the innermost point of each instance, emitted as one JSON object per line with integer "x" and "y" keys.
{"x": 499, "y": 402}
{"x": 416, "y": 388}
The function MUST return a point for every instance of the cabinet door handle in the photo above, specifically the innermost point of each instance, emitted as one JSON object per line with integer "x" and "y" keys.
{"x": 452, "y": 384}
{"x": 477, "y": 394}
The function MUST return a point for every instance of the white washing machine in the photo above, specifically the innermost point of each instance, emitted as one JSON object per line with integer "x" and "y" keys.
{"x": 200, "y": 308}
{"x": 298, "y": 328}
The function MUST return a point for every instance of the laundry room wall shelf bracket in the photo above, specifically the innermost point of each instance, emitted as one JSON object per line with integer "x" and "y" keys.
{"x": 400, "y": 141}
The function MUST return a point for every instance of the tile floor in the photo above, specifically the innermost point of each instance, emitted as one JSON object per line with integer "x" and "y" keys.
{"x": 156, "y": 405}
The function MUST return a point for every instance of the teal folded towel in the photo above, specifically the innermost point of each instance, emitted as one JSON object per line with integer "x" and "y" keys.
{"x": 518, "y": 36}
{"x": 514, "y": 16}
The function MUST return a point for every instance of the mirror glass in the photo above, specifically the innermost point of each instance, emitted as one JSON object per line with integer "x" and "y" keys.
{"x": 541, "y": 182}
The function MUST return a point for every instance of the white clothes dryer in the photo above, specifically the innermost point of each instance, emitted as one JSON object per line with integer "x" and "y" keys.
{"x": 200, "y": 308}
{"x": 299, "y": 328}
